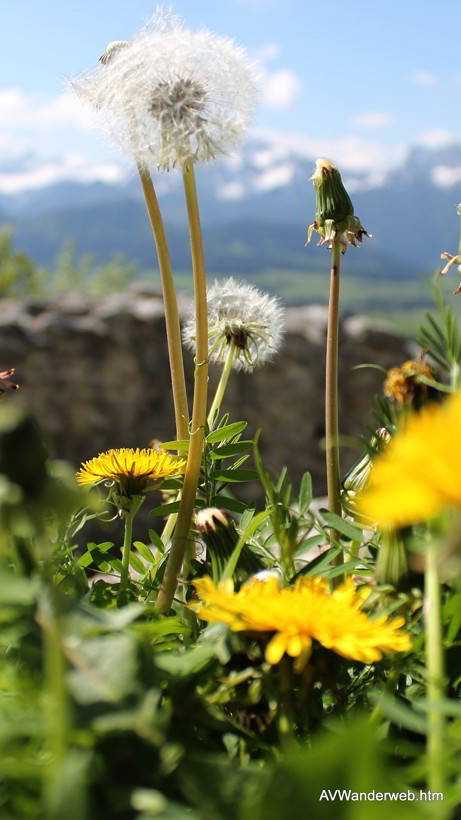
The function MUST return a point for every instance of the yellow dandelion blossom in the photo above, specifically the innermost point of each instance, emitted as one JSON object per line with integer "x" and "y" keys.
{"x": 131, "y": 469}
{"x": 417, "y": 476}
{"x": 295, "y": 616}
{"x": 401, "y": 384}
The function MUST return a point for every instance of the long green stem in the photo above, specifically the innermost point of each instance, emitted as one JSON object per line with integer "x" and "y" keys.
{"x": 221, "y": 388}
{"x": 331, "y": 392}
{"x": 173, "y": 331}
{"x": 331, "y": 385}
{"x": 435, "y": 672}
{"x": 192, "y": 472}
{"x": 127, "y": 549}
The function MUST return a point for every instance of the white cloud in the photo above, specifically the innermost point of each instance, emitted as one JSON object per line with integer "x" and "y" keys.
{"x": 70, "y": 167}
{"x": 350, "y": 153}
{"x": 281, "y": 88}
{"x": 267, "y": 52}
{"x": 266, "y": 157}
{"x": 231, "y": 191}
{"x": 437, "y": 138}
{"x": 275, "y": 177}
{"x": 372, "y": 119}
{"x": 19, "y": 110}
{"x": 445, "y": 177}
{"x": 425, "y": 78}
{"x": 375, "y": 179}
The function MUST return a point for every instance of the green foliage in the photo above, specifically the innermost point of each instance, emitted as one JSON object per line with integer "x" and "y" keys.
{"x": 110, "y": 709}
{"x": 21, "y": 278}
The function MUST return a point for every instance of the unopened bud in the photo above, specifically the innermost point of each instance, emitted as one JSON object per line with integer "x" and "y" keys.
{"x": 332, "y": 200}
{"x": 334, "y": 212}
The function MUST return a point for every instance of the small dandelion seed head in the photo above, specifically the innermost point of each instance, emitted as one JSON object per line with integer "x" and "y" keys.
{"x": 170, "y": 95}
{"x": 242, "y": 314}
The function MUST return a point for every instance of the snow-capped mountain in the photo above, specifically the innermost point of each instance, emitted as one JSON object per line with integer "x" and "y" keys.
{"x": 255, "y": 208}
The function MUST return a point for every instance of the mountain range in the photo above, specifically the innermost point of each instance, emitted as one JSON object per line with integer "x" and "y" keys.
{"x": 255, "y": 209}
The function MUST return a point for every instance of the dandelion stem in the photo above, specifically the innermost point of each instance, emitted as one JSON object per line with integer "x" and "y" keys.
{"x": 435, "y": 671}
{"x": 331, "y": 387}
{"x": 192, "y": 472}
{"x": 173, "y": 331}
{"x": 126, "y": 549}
{"x": 220, "y": 390}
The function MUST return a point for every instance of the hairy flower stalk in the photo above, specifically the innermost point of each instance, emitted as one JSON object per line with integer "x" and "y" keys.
{"x": 337, "y": 225}
{"x": 245, "y": 330}
{"x": 173, "y": 331}
{"x": 194, "y": 458}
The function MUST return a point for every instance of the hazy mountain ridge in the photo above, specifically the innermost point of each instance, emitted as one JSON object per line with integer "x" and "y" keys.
{"x": 255, "y": 207}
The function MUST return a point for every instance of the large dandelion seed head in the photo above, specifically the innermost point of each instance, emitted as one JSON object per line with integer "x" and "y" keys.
{"x": 242, "y": 314}
{"x": 170, "y": 95}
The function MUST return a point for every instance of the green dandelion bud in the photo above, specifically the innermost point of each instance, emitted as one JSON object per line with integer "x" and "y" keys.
{"x": 219, "y": 534}
{"x": 332, "y": 200}
{"x": 334, "y": 211}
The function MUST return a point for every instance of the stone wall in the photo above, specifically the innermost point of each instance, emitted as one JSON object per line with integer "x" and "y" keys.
{"x": 96, "y": 373}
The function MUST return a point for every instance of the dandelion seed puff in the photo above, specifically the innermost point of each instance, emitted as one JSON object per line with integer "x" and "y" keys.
{"x": 171, "y": 95}
{"x": 241, "y": 313}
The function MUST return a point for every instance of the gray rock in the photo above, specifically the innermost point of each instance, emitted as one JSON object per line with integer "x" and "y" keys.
{"x": 96, "y": 373}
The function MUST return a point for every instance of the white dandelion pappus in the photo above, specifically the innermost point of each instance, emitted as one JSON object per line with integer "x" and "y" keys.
{"x": 240, "y": 312}
{"x": 171, "y": 95}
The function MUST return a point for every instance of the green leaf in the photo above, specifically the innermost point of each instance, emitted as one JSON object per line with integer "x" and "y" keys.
{"x": 226, "y": 432}
{"x": 166, "y": 509}
{"x": 17, "y": 591}
{"x": 156, "y": 541}
{"x": 399, "y": 713}
{"x": 115, "y": 563}
{"x": 176, "y": 445}
{"x": 305, "y": 493}
{"x": 248, "y": 532}
{"x": 107, "y": 669}
{"x": 247, "y": 518}
{"x": 319, "y": 564}
{"x": 226, "y": 503}
{"x": 229, "y": 450}
{"x": 234, "y": 475}
{"x": 341, "y": 525}
{"x": 145, "y": 552}
{"x": 306, "y": 545}
{"x": 137, "y": 564}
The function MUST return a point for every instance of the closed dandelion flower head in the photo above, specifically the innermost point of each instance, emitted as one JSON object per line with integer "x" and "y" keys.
{"x": 417, "y": 476}
{"x": 170, "y": 95}
{"x": 294, "y": 617}
{"x": 241, "y": 315}
{"x": 334, "y": 212}
{"x": 131, "y": 470}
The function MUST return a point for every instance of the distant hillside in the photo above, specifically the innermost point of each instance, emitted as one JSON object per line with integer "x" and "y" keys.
{"x": 255, "y": 211}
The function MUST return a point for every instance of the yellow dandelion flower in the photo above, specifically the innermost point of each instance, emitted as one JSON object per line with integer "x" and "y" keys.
{"x": 401, "y": 384}
{"x": 131, "y": 469}
{"x": 296, "y": 616}
{"x": 417, "y": 475}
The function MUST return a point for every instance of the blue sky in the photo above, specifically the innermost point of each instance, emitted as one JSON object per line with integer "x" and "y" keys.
{"x": 359, "y": 82}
